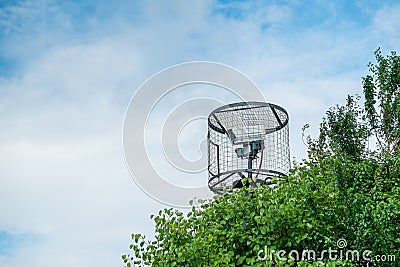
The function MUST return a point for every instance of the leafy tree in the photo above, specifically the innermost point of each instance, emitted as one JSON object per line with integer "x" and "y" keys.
{"x": 382, "y": 100}
{"x": 344, "y": 191}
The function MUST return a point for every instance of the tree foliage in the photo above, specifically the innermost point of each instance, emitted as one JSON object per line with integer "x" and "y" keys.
{"x": 382, "y": 100}
{"x": 345, "y": 190}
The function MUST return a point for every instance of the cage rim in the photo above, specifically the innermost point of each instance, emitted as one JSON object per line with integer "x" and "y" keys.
{"x": 248, "y": 103}
{"x": 217, "y": 186}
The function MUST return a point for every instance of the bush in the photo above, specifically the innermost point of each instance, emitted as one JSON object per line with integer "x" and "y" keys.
{"x": 344, "y": 198}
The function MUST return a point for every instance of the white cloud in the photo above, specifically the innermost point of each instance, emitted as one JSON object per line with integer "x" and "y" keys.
{"x": 386, "y": 26}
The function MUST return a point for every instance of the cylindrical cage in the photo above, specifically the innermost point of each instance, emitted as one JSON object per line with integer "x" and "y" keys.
{"x": 247, "y": 140}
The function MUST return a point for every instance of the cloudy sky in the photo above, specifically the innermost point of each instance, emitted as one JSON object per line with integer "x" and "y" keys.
{"x": 68, "y": 70}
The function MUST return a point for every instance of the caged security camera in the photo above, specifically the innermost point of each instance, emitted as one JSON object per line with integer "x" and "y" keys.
{"x": 247, "y": 140}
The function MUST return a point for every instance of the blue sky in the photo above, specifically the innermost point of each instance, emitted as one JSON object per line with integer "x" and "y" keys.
{"x": 68, "y": 70}
{"x": 7, "y": 242}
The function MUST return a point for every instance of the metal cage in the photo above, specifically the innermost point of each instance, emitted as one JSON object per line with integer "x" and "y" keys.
{"x": 247, "y": 140}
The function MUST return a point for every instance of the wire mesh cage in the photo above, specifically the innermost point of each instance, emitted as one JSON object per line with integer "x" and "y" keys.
{"x": 247, "y": 140}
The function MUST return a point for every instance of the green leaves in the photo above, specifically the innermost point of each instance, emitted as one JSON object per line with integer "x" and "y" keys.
{"x": 382, "y": 100}
{"x": 344, "y": 190}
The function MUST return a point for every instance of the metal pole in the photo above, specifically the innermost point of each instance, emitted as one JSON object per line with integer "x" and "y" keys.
{"x": 250, "y": 166}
